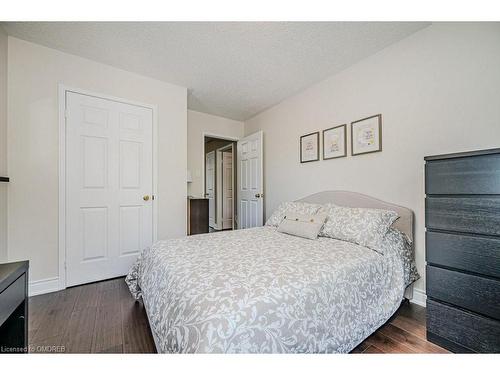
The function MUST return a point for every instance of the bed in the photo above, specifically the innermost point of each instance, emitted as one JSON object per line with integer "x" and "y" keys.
{"x": 261, "y": 291}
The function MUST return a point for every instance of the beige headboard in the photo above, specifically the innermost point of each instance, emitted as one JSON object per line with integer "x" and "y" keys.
{"x": 351, "y": 199}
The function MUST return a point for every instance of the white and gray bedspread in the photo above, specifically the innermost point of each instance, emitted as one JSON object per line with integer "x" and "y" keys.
{"x": 261, "y": 291}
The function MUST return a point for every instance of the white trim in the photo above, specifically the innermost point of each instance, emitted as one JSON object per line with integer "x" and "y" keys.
{"x": 62, "y": 89}
{"x": 219, "y": 152}
{"x": 211, "y": 135}
{"x": 233, "y": 151}
{"x": 214, "y": 223}
{"x": 419, "y": 297}
{"x": 222, "y": 149}
{"x": 62, "y": 187}
{"x": 154, "y": 108}
{"x": 218, "y": 189}
{"x": 52, "y": 284}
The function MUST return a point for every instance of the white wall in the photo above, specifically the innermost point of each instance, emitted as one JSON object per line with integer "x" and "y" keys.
{"x": 198, "y": 124}
{"x": 34, "y": 75}
{"x": 438, "y": 91}
{"x": 3, "y": 144}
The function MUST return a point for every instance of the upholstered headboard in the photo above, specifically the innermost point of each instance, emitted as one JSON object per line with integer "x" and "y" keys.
{"x": 351, "y": 199}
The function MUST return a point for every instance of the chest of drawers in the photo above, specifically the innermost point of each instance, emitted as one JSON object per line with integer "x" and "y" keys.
{"x": 462, "y": 218}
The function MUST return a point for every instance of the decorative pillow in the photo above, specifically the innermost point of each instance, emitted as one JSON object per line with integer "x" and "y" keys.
{"x": 306, "y": 226}
{"x": 297, "y": 207}
{"x": 363, "y": 226}
{"x": 396, "y": 243}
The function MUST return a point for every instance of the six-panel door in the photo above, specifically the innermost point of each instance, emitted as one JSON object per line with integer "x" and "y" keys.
{"x": 108, "y": 187}
{"x": 250, "y": 181}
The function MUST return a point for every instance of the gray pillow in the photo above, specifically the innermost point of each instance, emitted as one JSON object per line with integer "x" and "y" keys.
{"x": 297, "y": 207}
{"x": 301, "y": 225}
{"x": 363, "y": 226}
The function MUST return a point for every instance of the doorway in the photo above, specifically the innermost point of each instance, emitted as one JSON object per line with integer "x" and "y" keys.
{"x": 220, "y": 172}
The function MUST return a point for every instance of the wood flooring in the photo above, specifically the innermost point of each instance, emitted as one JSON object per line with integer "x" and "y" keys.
{"x": 93, "y": 318}
{"x": 104, "y": 318}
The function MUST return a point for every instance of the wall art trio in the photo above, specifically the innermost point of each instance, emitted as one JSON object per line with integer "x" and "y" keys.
{"x": 366, "y": 137}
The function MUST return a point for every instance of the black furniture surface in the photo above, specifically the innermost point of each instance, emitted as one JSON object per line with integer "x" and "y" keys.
{"x": 197, "y": 216}
{"x": 462, "y": 218}
{"x": 14, "y": 307}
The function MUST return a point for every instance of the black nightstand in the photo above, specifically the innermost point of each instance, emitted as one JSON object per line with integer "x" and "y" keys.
{"x": 14, "y": 307}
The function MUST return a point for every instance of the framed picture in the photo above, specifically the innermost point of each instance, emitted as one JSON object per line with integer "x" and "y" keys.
{"x": 366, "y": 135}
{"x": 309, "y": 147}
{"x": 335, "y": 142}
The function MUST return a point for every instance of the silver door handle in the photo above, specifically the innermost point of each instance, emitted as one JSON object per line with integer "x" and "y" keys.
{"x": 259, "y": 195}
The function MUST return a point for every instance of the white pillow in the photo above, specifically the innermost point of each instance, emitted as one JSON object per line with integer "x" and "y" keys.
{"x": 297, "y": 207}
{"x": 301, "y": 225}
{"x": 363, "y": 226}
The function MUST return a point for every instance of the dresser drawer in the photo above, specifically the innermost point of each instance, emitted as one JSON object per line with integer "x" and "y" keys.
{"x": 469, "y": 175}
{"x": 464, "y": 328}
{"x": 464, "y": 252}
{"x": 475, "y": 293}
{"x": 11, "y": 297}
{"x": 479, "y": 214}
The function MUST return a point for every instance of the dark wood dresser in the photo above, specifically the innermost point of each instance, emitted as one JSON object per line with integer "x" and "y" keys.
{"x": 14, "y": 307}
{"x": 197, "y": 216}
{"x": 462, "y": 216}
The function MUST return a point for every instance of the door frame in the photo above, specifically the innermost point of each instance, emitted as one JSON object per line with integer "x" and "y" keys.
{"x": 219, "y": 151}
{"x": 214, "y": 184}
{"x": 62, "y": 90}
{"x": 211, "y": 135}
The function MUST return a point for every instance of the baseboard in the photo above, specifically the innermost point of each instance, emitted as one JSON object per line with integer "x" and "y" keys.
{"x": 419, "y": 297}
{"x": 43, "y": 286}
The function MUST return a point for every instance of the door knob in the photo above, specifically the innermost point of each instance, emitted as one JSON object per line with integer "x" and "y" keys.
{"x": 257, "y": 195}
{"x": 145, "y": 198}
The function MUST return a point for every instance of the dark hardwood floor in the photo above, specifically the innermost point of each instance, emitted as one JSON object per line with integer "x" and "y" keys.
{"x": 94, "y": 318}
{"x": 104, "y": 318}
{"x": 404, "y": 333}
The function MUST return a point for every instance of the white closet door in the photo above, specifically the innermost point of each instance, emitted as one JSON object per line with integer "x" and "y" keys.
{"x": 109, "y": 169}
{"x": 210, "y": 186}
{"x": 250, "y": 181}
{"x": 227, "y": 190}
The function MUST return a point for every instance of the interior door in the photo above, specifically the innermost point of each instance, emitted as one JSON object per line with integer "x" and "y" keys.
{"x": 250, "y": 181}
{"x": 227, "y": 189}
{"x": 210, "y": 186}
{"x": 109, "y": 171}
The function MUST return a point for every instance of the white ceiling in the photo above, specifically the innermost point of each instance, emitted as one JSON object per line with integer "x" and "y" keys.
{"x": 232, "y": 69}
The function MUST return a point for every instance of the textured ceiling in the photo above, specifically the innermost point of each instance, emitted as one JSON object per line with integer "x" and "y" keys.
{"x": 231, "y": 69}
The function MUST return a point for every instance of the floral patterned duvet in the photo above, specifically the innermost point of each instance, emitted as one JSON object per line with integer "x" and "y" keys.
{"x": 261, "y": 291}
